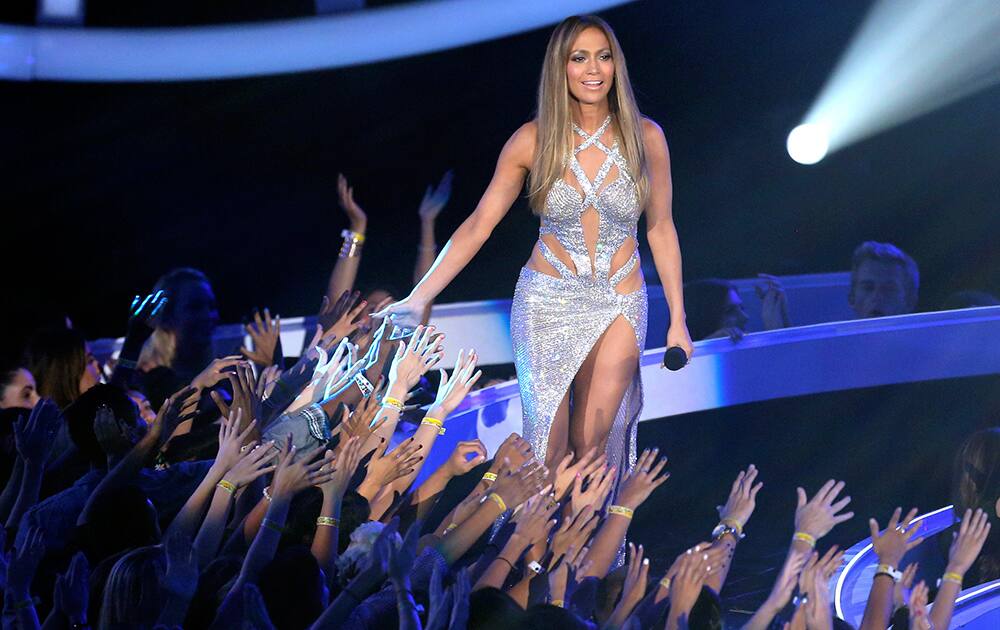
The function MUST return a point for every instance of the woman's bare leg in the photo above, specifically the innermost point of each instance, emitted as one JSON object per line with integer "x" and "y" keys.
{"x": 558, "y": 435}
{"x": 602, "y": 381}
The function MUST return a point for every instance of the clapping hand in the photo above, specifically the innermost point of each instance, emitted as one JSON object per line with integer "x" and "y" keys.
{"x": 897, "y": 539}
{"x": 774, "y": 303}
{"x": 640, "y": 482}
{"x": 817, "y": 516}
{"x": 34, "y": 436}
{"x": 345, "y": 194}
{"x": 742, "y": 497}
{"x": 72, "y": 590}
{"x": 23, "y": 562}
{"x": 266, "y": 336}
{"x": 435, "y": 199}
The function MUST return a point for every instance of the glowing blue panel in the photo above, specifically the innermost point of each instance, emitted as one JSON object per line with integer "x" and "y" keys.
{"x": 242, "y": 50}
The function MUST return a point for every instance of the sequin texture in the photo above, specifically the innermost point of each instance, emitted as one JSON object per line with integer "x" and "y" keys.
{"x": 556, "y": 321}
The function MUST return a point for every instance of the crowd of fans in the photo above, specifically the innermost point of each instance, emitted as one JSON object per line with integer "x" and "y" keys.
{"x": 203, "y": 489}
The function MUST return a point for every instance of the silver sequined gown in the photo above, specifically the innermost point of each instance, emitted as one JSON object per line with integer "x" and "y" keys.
{"x": 556, "y": 321}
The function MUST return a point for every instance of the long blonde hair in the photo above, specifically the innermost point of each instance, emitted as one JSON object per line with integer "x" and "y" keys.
{"x": 555, "y": 136}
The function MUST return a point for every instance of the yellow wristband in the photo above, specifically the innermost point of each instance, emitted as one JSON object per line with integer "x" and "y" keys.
{"x": 228, "y": 486}
{"x": 621, "y": 510}
{"x": 434, "y": 422}
{"x": 806, "y": 538}
{"x": 450, "y": 527}
{"x": 558, "y": 602}
{"x": 951, "y": 576}
{"x": 327, "y": 521}
{"x": 496, "y": 498}
{"x": 735, "y": 524}
{"x": 394, "y": 403}
{"x": 489, "y": 477}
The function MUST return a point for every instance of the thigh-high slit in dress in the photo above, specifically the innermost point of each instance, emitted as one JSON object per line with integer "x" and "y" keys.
{"x": 555, "y": 322}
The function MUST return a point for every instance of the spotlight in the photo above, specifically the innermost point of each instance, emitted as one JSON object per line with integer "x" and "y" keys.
{"x": 808, "y": 143}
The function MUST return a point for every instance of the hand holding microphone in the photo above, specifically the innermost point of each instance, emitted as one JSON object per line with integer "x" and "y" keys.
{"x": 674, "y": 358}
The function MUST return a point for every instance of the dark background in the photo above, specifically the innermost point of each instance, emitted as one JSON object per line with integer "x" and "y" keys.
{"x": 107, "y": 186}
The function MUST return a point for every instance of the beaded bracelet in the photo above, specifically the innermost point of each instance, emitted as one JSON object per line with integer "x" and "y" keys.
{"x": 327, "y": 521}
{"x": 267, "y": 493}
{"x": 491, "y": 477}
{"x": 496, "y": 498}
{"x": 228, "y": 486}
{"x": 434, "y": 422}
{"x": 806, "y": 538}
{"x": 952, "y": 577}
{"x": 621, "y": 510}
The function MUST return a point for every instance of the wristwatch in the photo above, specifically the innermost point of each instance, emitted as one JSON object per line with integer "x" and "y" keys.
{"x": 725, "y": 528}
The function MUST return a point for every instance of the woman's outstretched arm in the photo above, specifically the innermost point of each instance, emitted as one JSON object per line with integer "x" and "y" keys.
{"x": 507, "y": 182}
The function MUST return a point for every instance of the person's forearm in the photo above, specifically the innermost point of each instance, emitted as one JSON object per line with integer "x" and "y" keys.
{"x": 455, "y": 255}
{"x": 666, "y": 249}
{"x": 944, "y": 602}
{"x": 391, "y": 414}
{"x": 345, "y": 270}
{"x": 19, "y": 611}
{"x": 265, "y": 543}
{"x": 455, "y": 544}
{"x": 878, "y": 611}
{"x": 520, "y": 591}
{"x": 716, "y": 580}
{"x": 606, "y": 544}
{"x": 424, "y": 438}
{"x": 186, "y": 521}
{"x": 433, "y": 485}
{"x": 11, "y": 490}
{"x": 426, "y": 254}
{"x": 126, "y": 469}
{"x": 408, "y": 618}
{"x": 324, "y": 545}
{"x": 27, "y": 496}
{"x": 206, "y": 543}
{"x": 500, "y": 568}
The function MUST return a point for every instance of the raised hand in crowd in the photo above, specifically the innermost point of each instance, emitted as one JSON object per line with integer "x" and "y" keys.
{"x": 899, "y": 537}
{"x": 965, "y": 548}
{"x": 217, "y": 370}
{"x": 773, "y": 302}
{"x": 265, "y": 333}
{"x": 919, "y": 619}
{"x": 567, "y": 470}
{"x": 591, "y": 492}
{"x": 356, "y": 217}
{"x": 733, "y": 518}
{"x": 436, "y": 198}
{"x": 904, "y": 587}
{"x": 142, "y": 314}
{"x": 693, "y": 569}
{"x": 815, "y": 517}
{"x": 72, "y": 592}
{"x": 22, "y": 563}
{"x": 634, "y": 588}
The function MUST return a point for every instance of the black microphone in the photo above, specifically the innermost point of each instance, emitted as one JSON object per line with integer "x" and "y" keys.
{"x": 675, "y": 358}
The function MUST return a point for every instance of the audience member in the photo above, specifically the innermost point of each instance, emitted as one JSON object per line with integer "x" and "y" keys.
{"x": 884, "y": 281}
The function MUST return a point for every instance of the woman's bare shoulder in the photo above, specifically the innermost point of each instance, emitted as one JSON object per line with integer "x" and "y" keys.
{"x": 521, "y": 145}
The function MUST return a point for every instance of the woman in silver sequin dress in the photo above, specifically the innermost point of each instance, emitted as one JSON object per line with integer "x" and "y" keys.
{"x": 578, "y": 321}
